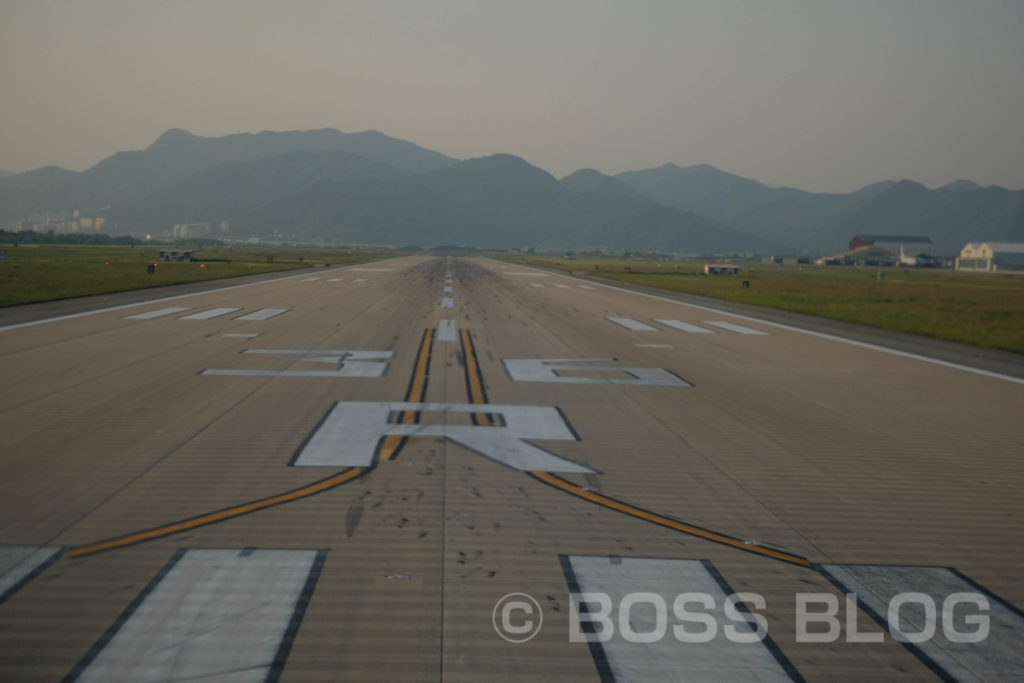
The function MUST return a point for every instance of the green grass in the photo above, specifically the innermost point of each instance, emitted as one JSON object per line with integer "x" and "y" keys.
{"x": 43, "y": 273}
{"x": 985, "y": 309}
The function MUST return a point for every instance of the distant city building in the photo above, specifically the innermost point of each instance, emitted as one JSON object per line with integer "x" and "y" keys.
{"x": 185, "y": 230}
{"x": 991, "y": 256}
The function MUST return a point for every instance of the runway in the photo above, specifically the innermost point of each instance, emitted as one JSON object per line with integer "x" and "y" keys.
{"x": 345, "y": 475}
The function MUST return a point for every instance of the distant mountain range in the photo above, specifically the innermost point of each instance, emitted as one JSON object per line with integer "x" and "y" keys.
{"x": 824, "y": 223}
{"x": 373, "y": 189}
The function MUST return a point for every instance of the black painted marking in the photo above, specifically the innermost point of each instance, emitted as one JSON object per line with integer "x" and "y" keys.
{"x": 309, "y": 437}
{"x": 288, "y": 637}
{"x": 767, "y": 641}
{"x": 604, "y": 669}
{"x": 31, "y": 575}
{"x": 105, "y": 639}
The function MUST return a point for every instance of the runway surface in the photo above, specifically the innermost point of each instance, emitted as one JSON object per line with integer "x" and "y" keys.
{"x": 412, "y": 470}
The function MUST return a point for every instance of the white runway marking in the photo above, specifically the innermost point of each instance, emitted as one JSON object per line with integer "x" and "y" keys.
{"x": 989, "y": 659}
{"x": 19, "y": 562}
{"x": 527, "y": 273}
{"x": 322, "y": 355}
{"x": 212, "y": 313}
{"x": 561, "y": 286}
{"x": 446, "y": 331}
{"x": 536, "y": 284}
{"x": 211, "y": 614}
{"x": 336, "y": 279}
{"x": 158, "y": 300}
{"x": 585, "y": 287}
{"x": 241, "y": 335}
{"x": 347, "y": 370}
{"x": 360, "y": 279}
{"x": 557, "y": 369}
{"x": 653, "y": 346}
{"x": 447, "y": 289}
{"x": 685, "y": 327}
{"x": 373, "y": 270}
{"x": 346, "y": 363}
{"x": 732, "y": 327}
{"x": 603, "y": 583}
{"x": 447, "y": 302}
{"x": 635, "y": 325}
{"x": 349, "y": 435}
{"x": 800, "y": 330}
{"x": 311, "y": 279}
{"x": 149, "y": 315}
{"x": 263, "y": 314}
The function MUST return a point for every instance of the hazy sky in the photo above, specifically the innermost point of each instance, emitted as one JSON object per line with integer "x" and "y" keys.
{"x": 826, "y": 95}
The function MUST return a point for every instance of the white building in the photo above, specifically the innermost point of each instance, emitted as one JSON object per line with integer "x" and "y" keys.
{"x": 991, "y": 256}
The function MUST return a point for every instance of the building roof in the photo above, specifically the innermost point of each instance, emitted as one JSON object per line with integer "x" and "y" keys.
{"x": 898, "y": 239}
{"x": 1006, "y": 247}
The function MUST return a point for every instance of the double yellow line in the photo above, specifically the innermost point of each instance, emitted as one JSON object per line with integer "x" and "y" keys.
{"x": 475, "y": 388}
{"x": 640, "y": 513}
{"x": 416, "y": 392}
{"x": 389, "y": 448}
{"x": 474, "y": 378}
{"x": 220, "y": 515}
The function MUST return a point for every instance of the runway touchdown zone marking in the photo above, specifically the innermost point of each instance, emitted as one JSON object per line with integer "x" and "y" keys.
{"x": 347, "y": 363}
{"x": 212, "y": 313}
{"x": 684, "y": 326}
{"x": 263, "y": 314}
{"x": 158, "y": 313}
{"x": 576, "y": 371}
{"x": 733, "y": 327}
{"x": 634, "y": 325}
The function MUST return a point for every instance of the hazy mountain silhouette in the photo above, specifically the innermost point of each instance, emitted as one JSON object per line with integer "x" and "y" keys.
{"x": 231, "y": 191}
{"x": 589, "y": 180}
{"x": 128, "y": 176}
{"x": 495, "y": 201}
{"x": 371, "y": 188}
{"x": 824, "y": 222}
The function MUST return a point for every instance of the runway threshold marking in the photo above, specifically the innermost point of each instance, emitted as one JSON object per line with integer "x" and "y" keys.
{"x": 414, "y": 394}
{"x": 209, "y": 614}
{"x": 646, "y": 515}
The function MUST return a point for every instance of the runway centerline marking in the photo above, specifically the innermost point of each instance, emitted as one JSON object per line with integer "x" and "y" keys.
{"x": 446, "y": 330}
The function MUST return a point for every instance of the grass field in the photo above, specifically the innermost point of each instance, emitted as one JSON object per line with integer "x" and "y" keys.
{"x": 43, "y": 273}
{"x": 986, "y": 309}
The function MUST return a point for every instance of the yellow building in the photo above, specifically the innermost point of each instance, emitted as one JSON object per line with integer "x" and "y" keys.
{"x": 991, "y": 256}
